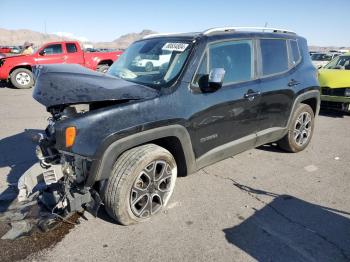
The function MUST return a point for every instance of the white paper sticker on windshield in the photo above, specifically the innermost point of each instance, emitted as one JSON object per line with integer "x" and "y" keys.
{"x": 179, "y": 47}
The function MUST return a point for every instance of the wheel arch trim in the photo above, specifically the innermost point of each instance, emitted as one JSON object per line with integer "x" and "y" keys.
{"x": 101, "y": 167}
{"x": 25, "y": 66}
{"x": 302, "y": 97}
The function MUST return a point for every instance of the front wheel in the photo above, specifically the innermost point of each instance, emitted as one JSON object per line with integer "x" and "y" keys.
{"x": 300, "y": 130}
{"x": 140, "y": 185}
{"x": 22, "y": 78}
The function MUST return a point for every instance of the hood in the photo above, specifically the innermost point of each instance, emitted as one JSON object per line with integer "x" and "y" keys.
{"x": 334, "y": 78}
{"x": 58, "y": 85}
{"x": 16, "y": 60}
{"x": 16, "y": 56}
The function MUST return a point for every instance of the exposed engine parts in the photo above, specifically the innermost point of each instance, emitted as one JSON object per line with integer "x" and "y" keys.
{"x": 57, "y": 180}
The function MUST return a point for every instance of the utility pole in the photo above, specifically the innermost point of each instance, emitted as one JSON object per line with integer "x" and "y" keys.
{"x": 266, "y": 23}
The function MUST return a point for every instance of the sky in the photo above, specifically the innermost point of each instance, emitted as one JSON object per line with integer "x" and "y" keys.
{"x": 322, "y": 22}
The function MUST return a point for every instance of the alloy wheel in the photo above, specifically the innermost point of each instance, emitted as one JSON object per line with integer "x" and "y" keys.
{"x": 302, "y": 128}
{"x": 151, "y": 189}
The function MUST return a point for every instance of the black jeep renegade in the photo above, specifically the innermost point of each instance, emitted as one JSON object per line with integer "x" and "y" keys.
{"x": 171, "y": 105}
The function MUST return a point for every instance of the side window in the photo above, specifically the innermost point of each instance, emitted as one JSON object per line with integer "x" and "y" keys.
{"x": 71, "y": 48}
{"x": 274, "y": 55}
{"x": 53, "y": 49}
{"x": 236, "y": 57}
{"x": 295, "y": 52}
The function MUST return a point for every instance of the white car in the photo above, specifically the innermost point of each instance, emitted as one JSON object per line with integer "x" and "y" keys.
{"x": 321, "y": 59}
{"x": 151, "y": 62}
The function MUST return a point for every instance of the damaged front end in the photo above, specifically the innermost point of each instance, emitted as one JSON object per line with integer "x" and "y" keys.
{"x": 58, "y": 178}
{"x": 75, "y": 97}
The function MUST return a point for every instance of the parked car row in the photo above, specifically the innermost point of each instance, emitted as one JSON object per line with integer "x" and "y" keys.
{"x": 94, "y": 50}
{"x": 10, "y": 49}
{"x": 321, "y": 59}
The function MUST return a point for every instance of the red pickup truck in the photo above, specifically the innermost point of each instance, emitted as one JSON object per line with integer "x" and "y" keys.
{"x": 18, "y": 69}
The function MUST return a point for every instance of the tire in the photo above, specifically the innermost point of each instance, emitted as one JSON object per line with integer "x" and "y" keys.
{"x": 130, "y": 187}
{"x": 300, "y": 130}
{"x": 102, "y": 68}
{"x": 22, "y": 78}
{"x": 149, "y": 67}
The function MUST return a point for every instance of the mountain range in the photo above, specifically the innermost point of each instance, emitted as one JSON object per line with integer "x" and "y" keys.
{"x": 18, "y": 37}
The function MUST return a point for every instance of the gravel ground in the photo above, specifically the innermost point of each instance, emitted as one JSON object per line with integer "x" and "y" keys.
{"x": 263, "y": 204}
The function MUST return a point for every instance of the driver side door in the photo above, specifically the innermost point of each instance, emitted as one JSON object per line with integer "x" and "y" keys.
{"x": 51, "y": 54}
{"x": 226, "y": 122}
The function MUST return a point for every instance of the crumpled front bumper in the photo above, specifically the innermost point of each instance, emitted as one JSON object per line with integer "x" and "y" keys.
{"x": 37, "y": 178}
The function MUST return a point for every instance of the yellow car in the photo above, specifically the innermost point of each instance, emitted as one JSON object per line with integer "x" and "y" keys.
{"x": 335, "y": 83}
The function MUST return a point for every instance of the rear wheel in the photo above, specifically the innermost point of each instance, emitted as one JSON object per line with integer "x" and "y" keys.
{"x": 140, "y": 185}
{"x": 22, "y": 78}
{"x": 300, "y": 130}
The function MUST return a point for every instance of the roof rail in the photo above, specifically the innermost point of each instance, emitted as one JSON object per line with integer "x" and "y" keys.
{"x": 159, "y": 34}
{"x": 246, "y": 28}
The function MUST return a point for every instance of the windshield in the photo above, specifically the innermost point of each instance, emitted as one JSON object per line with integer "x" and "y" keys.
{"x": 153, "y": 62}
{"x": 321, "y": 57}
{"x": 340, "y": 62}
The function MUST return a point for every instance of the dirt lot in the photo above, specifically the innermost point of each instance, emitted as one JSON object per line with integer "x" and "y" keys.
{"x": 262, "y": 205}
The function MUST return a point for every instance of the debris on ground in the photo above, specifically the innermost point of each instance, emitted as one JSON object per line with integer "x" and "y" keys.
{"x": 13, "y": 250}
{"x": 18, "y": 229}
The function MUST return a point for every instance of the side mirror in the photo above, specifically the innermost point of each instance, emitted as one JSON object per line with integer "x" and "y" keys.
{"x": 212, "y": 82}
{"x": 216, "y": 77}
{"x": 42, "y": 52}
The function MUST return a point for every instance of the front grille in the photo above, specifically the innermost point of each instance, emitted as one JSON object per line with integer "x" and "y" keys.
{"x": 333, "y": 91}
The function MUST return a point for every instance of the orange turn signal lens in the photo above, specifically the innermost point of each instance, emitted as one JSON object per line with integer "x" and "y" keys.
{"x": 71, "y": 133}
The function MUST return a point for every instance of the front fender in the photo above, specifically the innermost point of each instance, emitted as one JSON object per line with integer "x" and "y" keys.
{"x": 108, "y": 154}
{"x": 7, "y": 68}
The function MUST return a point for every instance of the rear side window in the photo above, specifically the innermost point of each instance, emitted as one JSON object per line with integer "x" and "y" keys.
{"x": 295, "y": 52}
{"x": 274, "y": 55}
{"x": 236, "y": 57}
{"x": 71, "y": 48}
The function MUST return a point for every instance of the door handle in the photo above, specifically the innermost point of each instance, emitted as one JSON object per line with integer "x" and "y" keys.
{"x": 293, "y": 82}
{"x": 250, "y": 95}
